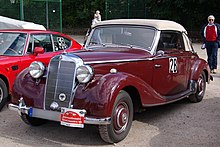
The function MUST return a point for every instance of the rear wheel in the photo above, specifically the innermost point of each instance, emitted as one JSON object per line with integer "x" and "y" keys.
{"x": 32, "y": 120}
{"x": 201, "y": 87}
{"x": 121, "y": 119}
{"x": 3, "y": 93}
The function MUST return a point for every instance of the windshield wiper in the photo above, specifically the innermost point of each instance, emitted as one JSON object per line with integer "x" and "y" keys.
{"x": 131, "y": 45}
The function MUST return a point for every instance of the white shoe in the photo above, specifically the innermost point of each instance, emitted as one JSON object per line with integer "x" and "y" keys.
{"x": 203, "y": 46}
{"x": 215, "y": 71}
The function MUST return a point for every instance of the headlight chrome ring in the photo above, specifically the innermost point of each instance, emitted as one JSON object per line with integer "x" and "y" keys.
{"x": 36, "y": 69}
{"x": 84, "y": 73}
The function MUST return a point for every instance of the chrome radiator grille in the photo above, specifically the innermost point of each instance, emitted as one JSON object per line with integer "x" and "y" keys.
{"x": 60, "y": 82}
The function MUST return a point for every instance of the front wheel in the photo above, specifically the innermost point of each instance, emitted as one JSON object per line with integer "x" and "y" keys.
{"x": 32, "y": 120}
{"x": 201, "y": 87}
{"x": 121, "y": 119}
{"x": 3, "y": 94}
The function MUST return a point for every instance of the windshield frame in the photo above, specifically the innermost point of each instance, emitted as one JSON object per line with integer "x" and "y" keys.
{"x": 92, "y": 32}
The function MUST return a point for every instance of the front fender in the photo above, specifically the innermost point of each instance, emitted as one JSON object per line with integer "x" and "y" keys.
{"x": 99, "y": 96}
{"x": 8, "y": 77}
{"x": 31, "y": 90}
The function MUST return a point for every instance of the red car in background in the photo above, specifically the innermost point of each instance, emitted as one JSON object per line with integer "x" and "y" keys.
{"x": 19, "y": 48}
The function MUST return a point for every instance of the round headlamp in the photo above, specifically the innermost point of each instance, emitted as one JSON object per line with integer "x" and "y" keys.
{"x": 36, "y": 69}
{"x": 84, "y": 73}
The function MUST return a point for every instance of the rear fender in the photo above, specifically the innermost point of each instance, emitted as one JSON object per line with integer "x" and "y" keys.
{"x": 197, "y": 69}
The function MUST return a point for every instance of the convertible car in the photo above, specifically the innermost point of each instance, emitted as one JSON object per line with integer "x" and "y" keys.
{"x": 18, "y": 48}
{"x": 126, "y": 65}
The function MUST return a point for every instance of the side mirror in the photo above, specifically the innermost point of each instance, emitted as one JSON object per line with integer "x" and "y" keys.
{"x": 160, "y": 53}
{"x": 38, "y": 50}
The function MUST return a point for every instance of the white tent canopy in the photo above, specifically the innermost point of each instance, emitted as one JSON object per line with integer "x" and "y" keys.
{"x": 9, "y": 23}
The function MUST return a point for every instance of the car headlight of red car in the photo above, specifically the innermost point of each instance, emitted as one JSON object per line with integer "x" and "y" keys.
{"x": 84, "y": 73}
{"x": 36, "y": 69}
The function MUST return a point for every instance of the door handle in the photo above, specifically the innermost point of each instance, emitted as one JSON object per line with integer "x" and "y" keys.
{"x": 157, "y": 65}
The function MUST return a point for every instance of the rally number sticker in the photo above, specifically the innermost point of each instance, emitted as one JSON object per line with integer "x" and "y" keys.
{"x": 173, "y": 65}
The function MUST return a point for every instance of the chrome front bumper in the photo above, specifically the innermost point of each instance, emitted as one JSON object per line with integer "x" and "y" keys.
{"x": 21, "y": 108}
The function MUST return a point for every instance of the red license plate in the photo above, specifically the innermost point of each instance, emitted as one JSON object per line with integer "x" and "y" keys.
{"x": 72, "y": 117}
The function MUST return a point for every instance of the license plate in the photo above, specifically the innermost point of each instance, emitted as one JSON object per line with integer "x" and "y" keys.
{"x": 72, "y": 117}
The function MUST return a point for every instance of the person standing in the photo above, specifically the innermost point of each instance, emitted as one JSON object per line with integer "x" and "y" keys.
{"x": 97, "y": 17}
{"x": 211, "y": 39}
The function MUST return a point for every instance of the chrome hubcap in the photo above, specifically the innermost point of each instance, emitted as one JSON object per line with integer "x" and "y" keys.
{"x": 200, "y": 86}
{"x": 121, "y": 117}
{"x": 1, "y": 95}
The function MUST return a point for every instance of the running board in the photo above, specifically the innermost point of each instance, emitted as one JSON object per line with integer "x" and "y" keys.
{"x": 170, "y": 99}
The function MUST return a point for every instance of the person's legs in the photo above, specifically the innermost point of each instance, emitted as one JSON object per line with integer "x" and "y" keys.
{"x": 214, "y": 56}
{"x": 209, "y": 54}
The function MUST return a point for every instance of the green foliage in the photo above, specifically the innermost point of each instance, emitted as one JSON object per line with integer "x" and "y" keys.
{"x": 9, "y": 10}
{"x": 192, "y": 14}
{"x": 79, "y": 13}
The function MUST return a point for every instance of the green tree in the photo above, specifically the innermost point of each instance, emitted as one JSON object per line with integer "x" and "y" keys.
{"x": 80, "y": 14}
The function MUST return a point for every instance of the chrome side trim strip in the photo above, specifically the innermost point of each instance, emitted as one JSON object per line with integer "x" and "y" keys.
{"x": 125, "y": 60}
{"x": 116, "y": 61}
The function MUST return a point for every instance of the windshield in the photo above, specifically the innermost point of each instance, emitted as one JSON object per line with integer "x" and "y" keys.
{"x": 12, "y": 43}
{"x": 133, "y": 36}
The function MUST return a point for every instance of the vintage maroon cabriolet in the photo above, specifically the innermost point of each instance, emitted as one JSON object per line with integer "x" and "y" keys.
{"x": 125, "y": 66}
{"x": 18, "y": 48}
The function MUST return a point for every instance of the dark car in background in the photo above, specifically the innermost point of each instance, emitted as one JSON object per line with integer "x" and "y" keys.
{"x": 126, "y": 65}
{"x": 19, "y": 48}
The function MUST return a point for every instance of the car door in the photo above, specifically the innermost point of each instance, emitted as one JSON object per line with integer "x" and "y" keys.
{"x": 39, "y": 40}
{"x": 11, "y": 49}
{"x": 171, "y": 68}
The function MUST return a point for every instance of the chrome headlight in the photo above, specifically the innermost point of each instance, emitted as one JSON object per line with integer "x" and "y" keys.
{"x": 36, "y": 69}
{"x": 84, "y": 73}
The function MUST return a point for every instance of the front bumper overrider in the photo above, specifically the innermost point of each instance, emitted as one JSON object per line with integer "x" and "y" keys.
{"x": 21, "y": 108}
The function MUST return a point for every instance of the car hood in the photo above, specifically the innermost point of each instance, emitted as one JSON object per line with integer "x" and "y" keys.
{"x": 112, "y": 54}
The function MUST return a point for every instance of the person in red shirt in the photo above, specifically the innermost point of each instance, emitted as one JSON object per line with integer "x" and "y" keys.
{"x": 211, "y": 39}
